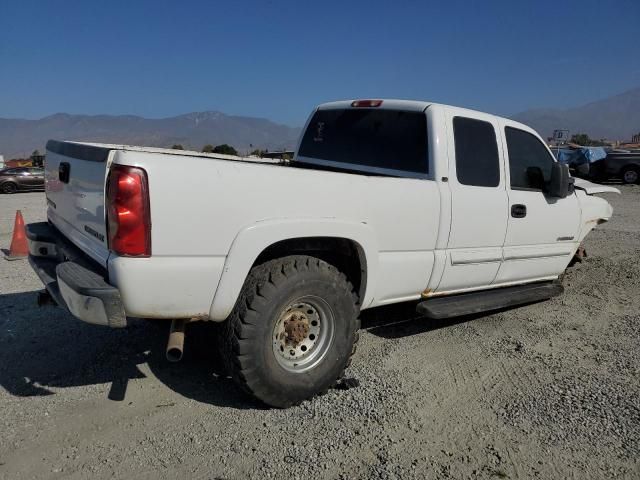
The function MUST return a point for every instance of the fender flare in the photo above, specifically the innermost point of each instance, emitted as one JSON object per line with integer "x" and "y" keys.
{"x": 254, "y": 239}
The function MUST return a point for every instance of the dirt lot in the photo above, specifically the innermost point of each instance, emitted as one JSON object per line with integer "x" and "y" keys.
{"x": 550, "y": 390}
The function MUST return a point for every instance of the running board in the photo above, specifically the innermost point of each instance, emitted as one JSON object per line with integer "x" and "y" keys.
{"x": 486, "y": 300}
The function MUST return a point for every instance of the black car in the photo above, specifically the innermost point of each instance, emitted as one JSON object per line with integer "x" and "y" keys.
{"x": 21, "y": 178}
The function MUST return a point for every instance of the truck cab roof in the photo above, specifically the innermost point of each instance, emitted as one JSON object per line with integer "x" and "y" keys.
{"x": 412, "y": 106}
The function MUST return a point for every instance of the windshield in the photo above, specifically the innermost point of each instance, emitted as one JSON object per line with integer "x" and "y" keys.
{"x": 382, "y": 141}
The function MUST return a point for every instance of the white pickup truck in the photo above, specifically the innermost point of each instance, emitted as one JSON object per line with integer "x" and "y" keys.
{"x": 385, "y": 201}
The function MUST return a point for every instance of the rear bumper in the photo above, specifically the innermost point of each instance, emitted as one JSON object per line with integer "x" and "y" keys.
{"x": 72, "y": 279}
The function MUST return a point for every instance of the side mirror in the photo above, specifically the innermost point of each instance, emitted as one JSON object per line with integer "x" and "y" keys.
{"x": 559, "y": 182}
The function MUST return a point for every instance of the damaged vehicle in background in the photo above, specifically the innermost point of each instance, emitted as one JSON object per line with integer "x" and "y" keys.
{"x": 385, "y": 201}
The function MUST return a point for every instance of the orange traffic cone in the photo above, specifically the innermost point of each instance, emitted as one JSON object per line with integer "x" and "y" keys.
{"x": 19, "y": 247}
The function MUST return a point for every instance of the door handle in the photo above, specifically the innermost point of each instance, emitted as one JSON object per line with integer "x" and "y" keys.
{"x": 518, "y": 210}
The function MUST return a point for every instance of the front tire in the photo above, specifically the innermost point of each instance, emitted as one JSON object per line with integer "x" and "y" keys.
{"x": 293, "y": 330}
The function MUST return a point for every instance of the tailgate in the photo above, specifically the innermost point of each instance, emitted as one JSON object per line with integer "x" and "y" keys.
{"x": 75, "y": 176}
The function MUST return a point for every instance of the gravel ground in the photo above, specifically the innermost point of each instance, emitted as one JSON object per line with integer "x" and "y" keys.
{"x": 550, "y": 390}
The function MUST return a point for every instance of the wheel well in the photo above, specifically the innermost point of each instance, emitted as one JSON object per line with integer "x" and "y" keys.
{"x": 344, "y": 254}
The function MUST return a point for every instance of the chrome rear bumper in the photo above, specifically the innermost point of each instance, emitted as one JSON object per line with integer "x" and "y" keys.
{"x": 73, "y": 280}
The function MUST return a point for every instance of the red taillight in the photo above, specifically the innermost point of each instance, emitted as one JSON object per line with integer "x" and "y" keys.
{"x": 128, "y": 214}
{"x": 366, "y": 103}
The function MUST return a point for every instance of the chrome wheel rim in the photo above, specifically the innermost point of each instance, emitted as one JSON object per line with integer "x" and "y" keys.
{"x": 630, "y": 176}
{"x": 303, "y": 334}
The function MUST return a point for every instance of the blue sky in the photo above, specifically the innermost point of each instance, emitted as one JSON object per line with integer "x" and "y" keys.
{"x": 278, "y": 59}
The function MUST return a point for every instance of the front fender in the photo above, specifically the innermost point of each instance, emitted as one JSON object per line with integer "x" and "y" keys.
{"x": 254, "y": 239}
{"x": 594, "y": 211}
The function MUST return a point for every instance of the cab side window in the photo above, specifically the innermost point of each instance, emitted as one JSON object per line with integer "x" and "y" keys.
{"x": 477, "y": 160}
{"x": 529, "y": 161}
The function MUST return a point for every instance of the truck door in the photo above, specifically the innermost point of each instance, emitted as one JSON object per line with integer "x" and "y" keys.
{"x": 542, "y": 231}
{"x": 478, "y": 201}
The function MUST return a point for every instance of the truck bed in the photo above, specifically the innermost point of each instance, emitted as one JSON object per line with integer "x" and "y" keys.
{"x": 171, "y": 151}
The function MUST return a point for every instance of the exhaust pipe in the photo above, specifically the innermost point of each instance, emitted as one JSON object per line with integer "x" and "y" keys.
{"x": 175, "y": 345}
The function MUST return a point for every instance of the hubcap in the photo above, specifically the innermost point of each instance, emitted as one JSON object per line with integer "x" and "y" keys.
{"x": 630, "y": 176}
{"x": 303, "y": 333}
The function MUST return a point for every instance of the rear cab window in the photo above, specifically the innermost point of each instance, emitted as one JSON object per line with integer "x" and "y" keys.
{"x": 477, "y": 159}
{"x": 379, "y": 141}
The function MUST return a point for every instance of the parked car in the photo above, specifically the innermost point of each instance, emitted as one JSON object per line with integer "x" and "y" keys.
{"x": 621, "y": 165}
{"x": 385, "y": 201}
{"x": 21, "y": 178}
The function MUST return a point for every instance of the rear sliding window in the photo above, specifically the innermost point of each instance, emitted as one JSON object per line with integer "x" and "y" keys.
{"x": 383, "y": 141}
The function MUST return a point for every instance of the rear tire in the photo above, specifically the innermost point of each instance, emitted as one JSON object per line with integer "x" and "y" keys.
{"x": 8, "y": 187}
{"x": 293, "y": 330}
{"x": 631, "y": 175}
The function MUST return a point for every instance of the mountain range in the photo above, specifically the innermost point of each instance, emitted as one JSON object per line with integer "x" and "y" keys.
{"x": 614, "y": 118}
{"x": 18, "y": 138}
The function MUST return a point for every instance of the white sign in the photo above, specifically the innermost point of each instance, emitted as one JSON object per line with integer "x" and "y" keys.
{"x": 561, "y": 136}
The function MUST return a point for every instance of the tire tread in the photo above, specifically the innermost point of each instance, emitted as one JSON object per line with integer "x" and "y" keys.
{"x": 235, "y": 339}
